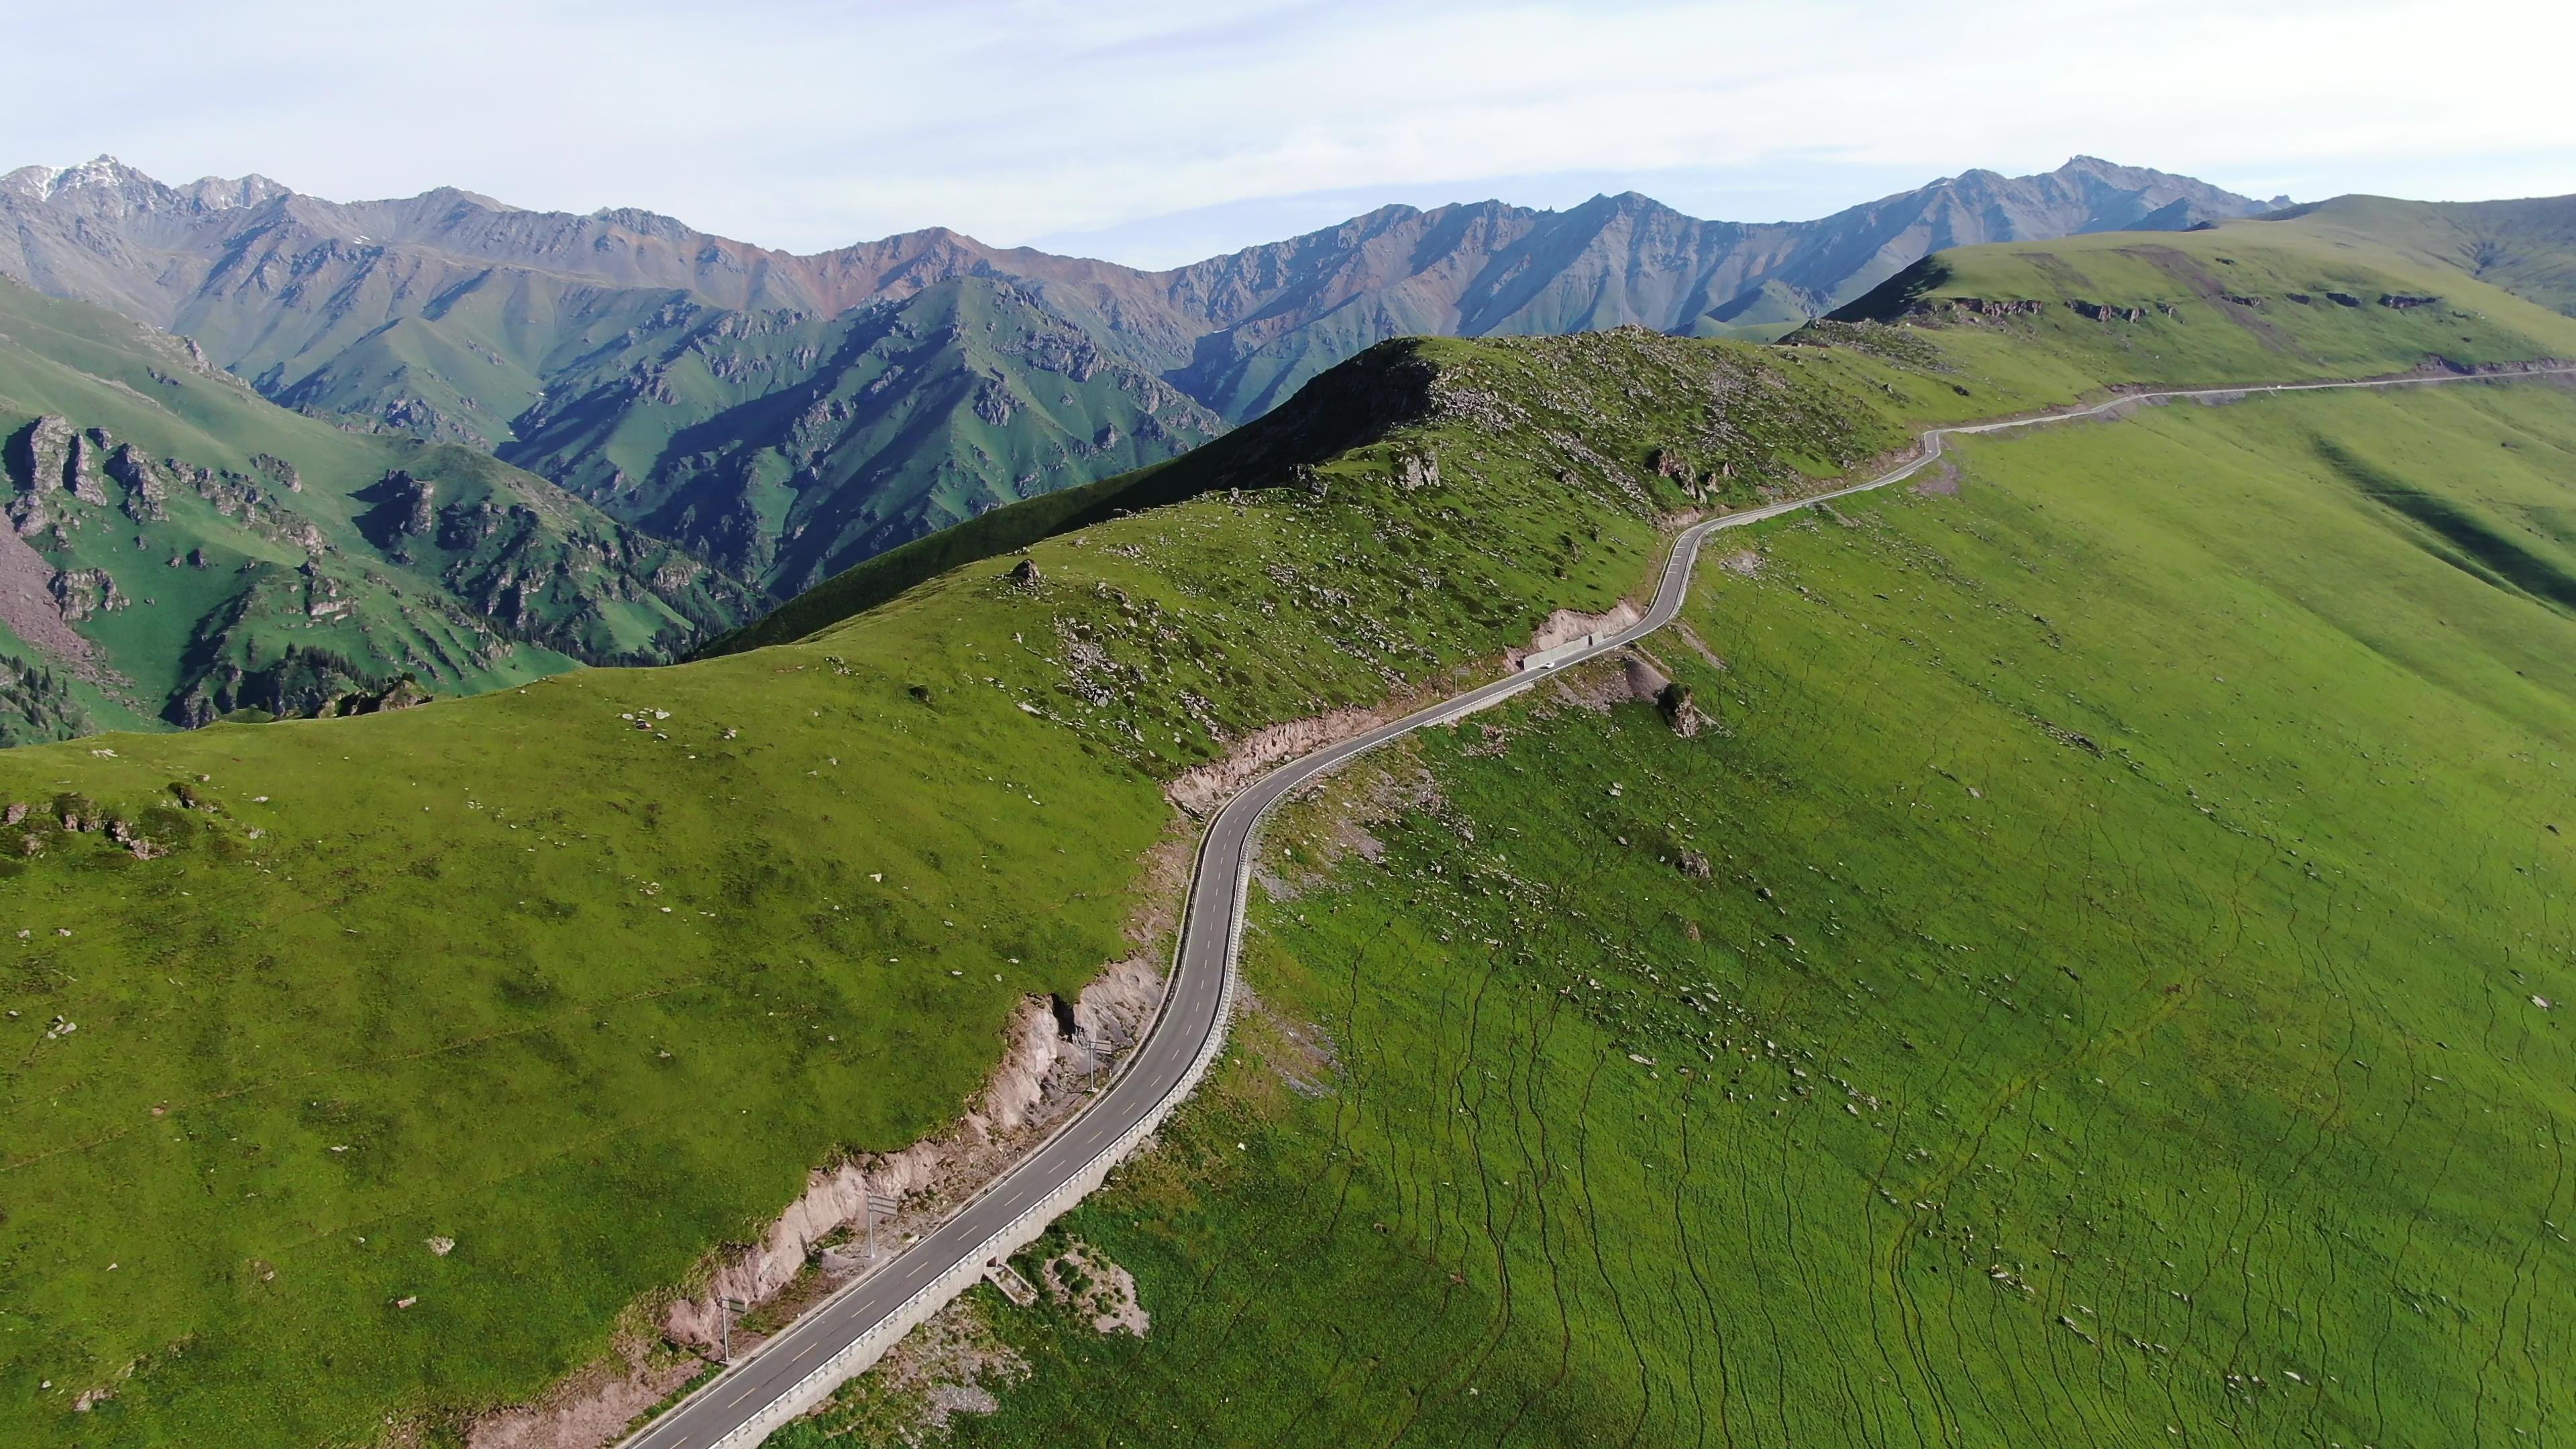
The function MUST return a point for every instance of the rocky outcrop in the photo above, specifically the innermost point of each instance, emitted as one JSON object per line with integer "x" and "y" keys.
{"x": 81, "y": 480}
{"x": 1983, "y": 306}
{"x": 418, "y": 501}
{"x": 2401, "y": 301}
{"x": 279, "y": 470}
{"x": 85, "y": 593}
{"x": 2343, "y": 299}
{"x": 2108, "y": 312}
{"x": 40, "y": 457}
{"x": 1674, "y": 703}
{"x": 146, "y": 495}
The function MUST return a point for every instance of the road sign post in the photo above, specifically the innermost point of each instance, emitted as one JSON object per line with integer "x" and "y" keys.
{"x": 729, "y": 1307}
{"x": 878, "y": 1205}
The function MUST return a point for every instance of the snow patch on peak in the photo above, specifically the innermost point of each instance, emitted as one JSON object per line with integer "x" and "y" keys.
{"x": 36, "y": 183}
{"x": 106, "y": 184}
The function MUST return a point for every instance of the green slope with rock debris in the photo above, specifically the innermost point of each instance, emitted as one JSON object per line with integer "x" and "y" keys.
{"x": 2091, "y": 968}
{"x": 2098, "y": 975}
{"x": 178, "y": 548}
{"x": 2526, "y": 246}
{"x": 690, "y": 932}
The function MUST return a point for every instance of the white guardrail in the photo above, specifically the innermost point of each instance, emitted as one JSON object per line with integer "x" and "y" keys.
{"x": 1538, "y": 659}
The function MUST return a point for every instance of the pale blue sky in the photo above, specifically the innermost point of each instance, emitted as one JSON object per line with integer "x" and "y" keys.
{"x": 1159, "y": 131}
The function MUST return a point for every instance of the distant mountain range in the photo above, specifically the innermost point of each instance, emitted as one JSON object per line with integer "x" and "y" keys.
{"x": 174, "y": 548}
{"x": 787, "y": 416}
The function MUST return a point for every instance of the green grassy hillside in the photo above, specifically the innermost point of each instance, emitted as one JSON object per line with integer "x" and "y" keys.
{"x": 788, "y": 445}
{"x": 282, "y": 1031}
{"x": 180, "y": 548}
{"x": 784, "y": 443}
{"x": 2244, "y": 301}
{"x": 2124, "y": 1002}
{"x": 386, "y": 934}
{"x": 2527, "y": 247}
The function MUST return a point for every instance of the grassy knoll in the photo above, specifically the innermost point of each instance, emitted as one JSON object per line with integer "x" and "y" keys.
{"x": 582, "y": 996}
{"x": 2246, "y": 301}
{"x": 2526, "y": 246}
{"x": 2109, "y": 1017}
{"x": 425, "y": 986}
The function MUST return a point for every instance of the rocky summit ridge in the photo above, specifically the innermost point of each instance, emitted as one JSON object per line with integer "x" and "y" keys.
{"x": 788, "y": 415}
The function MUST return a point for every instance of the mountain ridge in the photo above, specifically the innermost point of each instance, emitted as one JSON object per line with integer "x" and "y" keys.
{"x": 454, "y": 317}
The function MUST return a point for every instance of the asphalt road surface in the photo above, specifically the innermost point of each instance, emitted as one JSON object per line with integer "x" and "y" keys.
{"x": 1189, "y": 1019}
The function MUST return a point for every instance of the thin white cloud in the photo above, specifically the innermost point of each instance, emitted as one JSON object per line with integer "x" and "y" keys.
{"x": 807, "y": 125}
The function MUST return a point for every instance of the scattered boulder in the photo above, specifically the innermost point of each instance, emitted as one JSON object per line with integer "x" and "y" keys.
{"x": 1696, "y": 866}
{"x": 1417, "y": 470}
{"x": 1674, "y": 703}
{"x": 2400, "y": 301}
{"x": 1645, "y": 681}
{"x": 1026, "y": 573}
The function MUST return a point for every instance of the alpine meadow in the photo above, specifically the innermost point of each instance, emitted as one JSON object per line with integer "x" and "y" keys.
{"x": 1950, "y": 825}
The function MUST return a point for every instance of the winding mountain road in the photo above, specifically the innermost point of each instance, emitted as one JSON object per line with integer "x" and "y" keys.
{"x": 830, "y": 1344}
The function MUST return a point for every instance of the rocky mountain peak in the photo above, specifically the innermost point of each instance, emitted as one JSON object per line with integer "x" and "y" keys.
{"x": 104, "y": 186}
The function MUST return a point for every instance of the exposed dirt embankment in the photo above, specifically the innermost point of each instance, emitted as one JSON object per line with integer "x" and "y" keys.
{"x": 1200, "y": 791}
{"x": 592, "y": 1407}
{"x": 1042, "y": 1078}
{"x": 1566, "y": 625}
